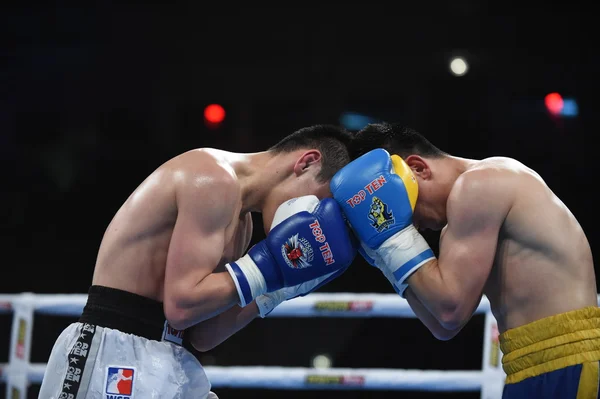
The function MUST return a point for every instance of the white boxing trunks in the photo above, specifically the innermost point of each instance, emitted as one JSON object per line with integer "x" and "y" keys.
{"x": 92, "y": 359}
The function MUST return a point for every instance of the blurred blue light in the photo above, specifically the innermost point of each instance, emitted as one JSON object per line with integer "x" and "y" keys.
{"x": 353, "y": 121}
{"x": 570, "y": 107}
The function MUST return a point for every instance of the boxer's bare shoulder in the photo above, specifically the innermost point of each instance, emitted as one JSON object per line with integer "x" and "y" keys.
{"x": 188, "y": 207}
{"x": 502, "y": 169}
{"x": 205, "y": 179}
{"x": 532, "y": 263}
{"x": 202, "y": 163}
{"x": 496, "y": 184}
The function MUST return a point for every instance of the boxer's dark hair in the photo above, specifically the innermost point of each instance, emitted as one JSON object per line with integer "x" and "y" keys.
{"x": 394, "y": 138}
{"x": 332, "y": 142}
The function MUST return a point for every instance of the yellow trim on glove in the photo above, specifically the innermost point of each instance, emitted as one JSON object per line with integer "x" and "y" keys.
{"x": 402, "y": 169}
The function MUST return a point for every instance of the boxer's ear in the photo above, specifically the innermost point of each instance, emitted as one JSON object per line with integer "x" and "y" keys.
{"x": 419, "y": 166}
{"x": 307, "y": 159}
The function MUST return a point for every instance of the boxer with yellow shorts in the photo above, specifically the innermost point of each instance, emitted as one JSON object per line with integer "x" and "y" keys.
{"x": 504, "y": 234}
{"x": 555, "y": 357}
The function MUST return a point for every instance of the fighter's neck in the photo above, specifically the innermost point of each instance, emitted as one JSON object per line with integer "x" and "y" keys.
{"x": 455, "y": 166}
{"x": 257, "y": 174}
{"x": 448, "y": 169}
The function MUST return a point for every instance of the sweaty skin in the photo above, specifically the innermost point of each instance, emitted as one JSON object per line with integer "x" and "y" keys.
{"x": 172, "y": 237}
{"x": 507, "y": 236}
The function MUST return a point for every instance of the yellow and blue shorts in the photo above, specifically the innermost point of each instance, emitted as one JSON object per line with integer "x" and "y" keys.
{"x": 555, "y": 357}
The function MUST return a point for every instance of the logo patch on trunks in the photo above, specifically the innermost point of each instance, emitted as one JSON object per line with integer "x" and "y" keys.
{"x": 119, "y": 382}
{"x": 172, "y": 335}
{"x": 297, "y": 252}
{"x": 380, "y": 216}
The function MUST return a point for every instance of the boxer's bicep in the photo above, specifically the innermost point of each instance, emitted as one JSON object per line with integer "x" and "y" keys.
{"x": 194, "y": 253}
{"x": 198, "y": 241}
{"x": 477, "y": 208}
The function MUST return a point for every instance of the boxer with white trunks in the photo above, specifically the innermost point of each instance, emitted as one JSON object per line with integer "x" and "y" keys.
{"x": 171, "y": 273}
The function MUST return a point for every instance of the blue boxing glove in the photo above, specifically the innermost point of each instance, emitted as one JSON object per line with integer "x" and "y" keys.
{"x": 270, "y": 300}
{"x": 378, "y": 194}
{"x": 311, "y": 243}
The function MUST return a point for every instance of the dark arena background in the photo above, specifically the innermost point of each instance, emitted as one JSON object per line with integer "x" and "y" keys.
{"x": 95, "y": 98}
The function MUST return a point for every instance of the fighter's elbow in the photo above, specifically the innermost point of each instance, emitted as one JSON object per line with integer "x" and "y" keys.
{"x": 203, "y": 346}
{"x": 448, "y": 314}
{"x": 447, "y": 327}
{"x": 451, "y": 324}
{"x": 178, "y": 322}
{"x": 201, "y": 339}
{"x": 452, "y": 319}
{"x": 177, "y": 316}
{"x": 443, "y": 334}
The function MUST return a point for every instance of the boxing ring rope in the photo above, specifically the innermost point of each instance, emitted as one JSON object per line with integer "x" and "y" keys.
{"x": 19, "y": 372}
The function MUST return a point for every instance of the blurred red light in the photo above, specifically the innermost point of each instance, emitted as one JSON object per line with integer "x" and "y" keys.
{"x": 554, "y": 103}
{"x": 214, "y": 113}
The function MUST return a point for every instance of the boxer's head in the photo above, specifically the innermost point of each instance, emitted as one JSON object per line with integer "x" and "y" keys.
{"x": 303, "y": 163}
{"x": 426, "y": 161}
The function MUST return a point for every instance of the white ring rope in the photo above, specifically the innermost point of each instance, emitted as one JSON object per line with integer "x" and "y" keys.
{"x": 313, "y": 305}
{"x": 334, "y": 378}
{"x": 19, "y": 372}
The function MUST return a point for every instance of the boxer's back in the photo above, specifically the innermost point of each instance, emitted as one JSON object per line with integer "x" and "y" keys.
{"x": 543, "y": 264}
{"x": 133, "y": 252}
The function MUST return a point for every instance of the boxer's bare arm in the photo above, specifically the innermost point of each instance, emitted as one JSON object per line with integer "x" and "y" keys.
{"x": 423, "y": 314}
{"x": 210, "y": 333}
{"x": 451, "y": 286}
{"x": 193, "y": 293}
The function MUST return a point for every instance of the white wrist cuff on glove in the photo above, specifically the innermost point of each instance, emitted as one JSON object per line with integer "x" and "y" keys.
{"x": 267, "y": 302}
{"x": 403, "y": 254}
{"x": 253, "y": 276}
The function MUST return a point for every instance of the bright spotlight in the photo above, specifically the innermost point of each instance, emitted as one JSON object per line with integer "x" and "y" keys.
{"x": 321, "y": 362}
{"x": 458, "y": 66}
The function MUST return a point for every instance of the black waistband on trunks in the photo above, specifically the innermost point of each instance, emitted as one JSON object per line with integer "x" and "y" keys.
{"x": 124, "y": 311}
{"x": 129, "y": 313}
